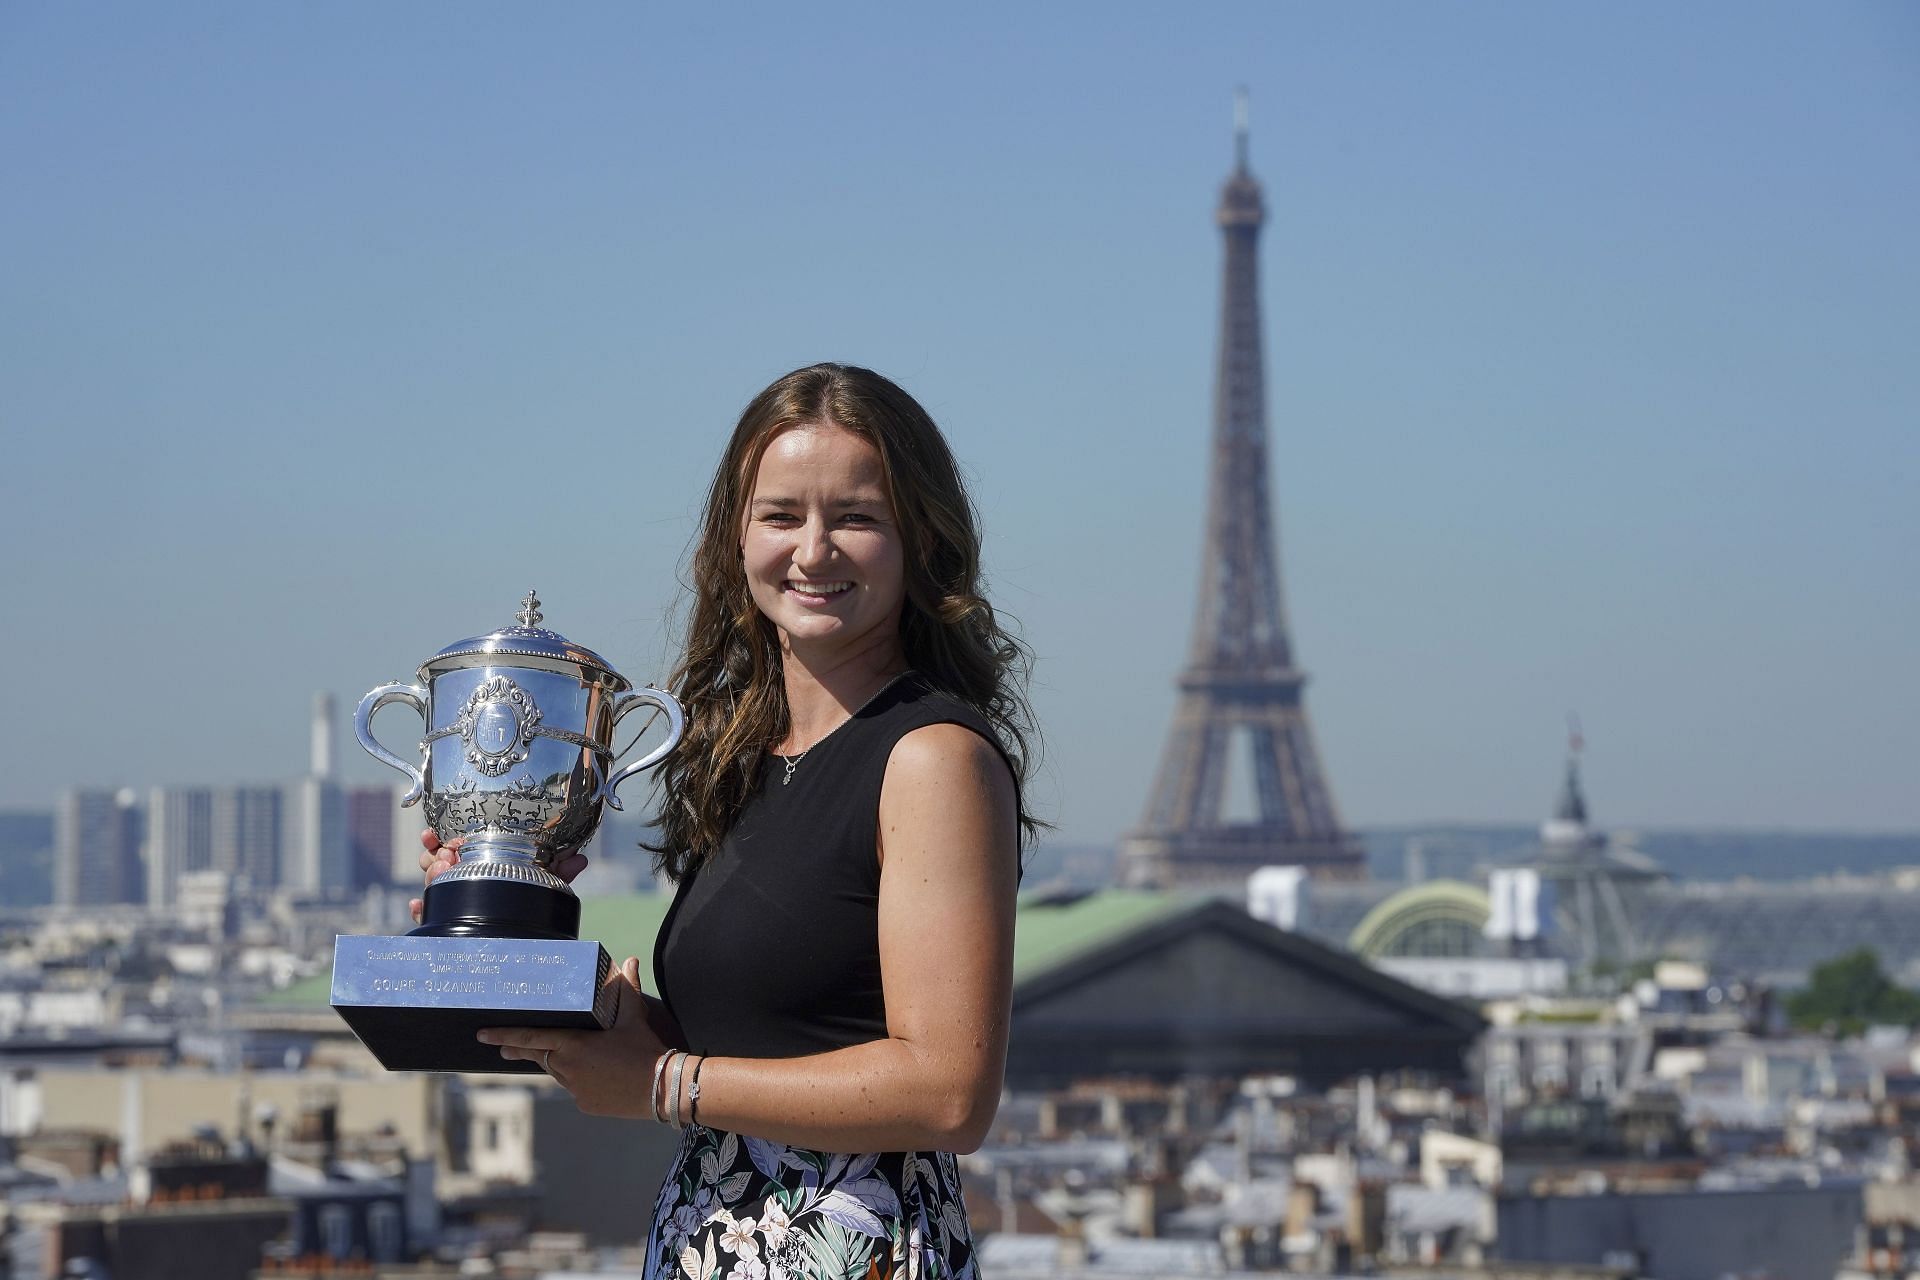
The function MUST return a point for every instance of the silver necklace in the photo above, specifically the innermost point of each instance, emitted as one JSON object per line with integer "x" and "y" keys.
{"x": 793, "y": 762}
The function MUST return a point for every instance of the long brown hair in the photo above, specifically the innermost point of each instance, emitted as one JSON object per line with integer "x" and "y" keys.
{"x": 729, "y": 677}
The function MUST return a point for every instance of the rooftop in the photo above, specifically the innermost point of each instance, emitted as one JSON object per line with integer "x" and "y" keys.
{"x": 1049, "y": 930}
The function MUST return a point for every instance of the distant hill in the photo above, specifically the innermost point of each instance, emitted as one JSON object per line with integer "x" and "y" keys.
{"x": 1686, "y": 854}
{"x": 1778, "y": 855}
{"x": 1464, "y": 852}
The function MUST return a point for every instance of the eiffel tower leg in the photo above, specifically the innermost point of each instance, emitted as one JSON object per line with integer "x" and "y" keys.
{"x": 1270, "y": 772}
{"x": 1210, "y": 790}
{"x": 1187, "y": 790}
{"x": 1315, "y": 798}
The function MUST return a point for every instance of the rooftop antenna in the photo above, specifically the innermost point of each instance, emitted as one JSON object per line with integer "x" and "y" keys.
{"x": 1573, "y": 805}
{"x": 1240, "y": 128}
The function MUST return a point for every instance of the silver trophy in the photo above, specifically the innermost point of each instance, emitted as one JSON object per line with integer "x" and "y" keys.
{"x": 517, "y": 761}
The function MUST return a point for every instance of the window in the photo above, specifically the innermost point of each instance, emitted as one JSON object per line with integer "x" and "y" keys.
{"x": 336, "y": 1230}
{"x": 386, "y": 1238}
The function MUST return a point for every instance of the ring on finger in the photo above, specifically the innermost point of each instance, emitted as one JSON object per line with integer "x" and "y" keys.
{"x": 546, "y": 1061}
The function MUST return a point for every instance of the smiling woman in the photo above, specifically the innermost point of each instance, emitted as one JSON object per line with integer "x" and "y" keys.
{"x": 844, "y": 821}
{"x": 821, "y": 550}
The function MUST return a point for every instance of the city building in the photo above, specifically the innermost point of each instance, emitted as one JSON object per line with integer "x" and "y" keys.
{"x": 1600, "y": 886}
{"x": 317, "y": 851}
{"x": 1793, "y": 1230}
{"x": 1161, "y": 987}
{"x": 247, "y": 833}
{"x": 26, "y": 859}
{"x": 316, "y": 856}
{"x": 179, "y": 839}
{"x": 96, "y": 855}
{"x": 375, "y": 828}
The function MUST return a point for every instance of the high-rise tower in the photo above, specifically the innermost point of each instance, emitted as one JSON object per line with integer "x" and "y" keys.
{"x": 316, "y": 854}
{"x": 96, "y": 848}
{"x": 320, "y": 741}
{"x": 1240, "y": 688}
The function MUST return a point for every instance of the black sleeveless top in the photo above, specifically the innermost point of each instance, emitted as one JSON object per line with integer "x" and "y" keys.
{"x": 771, "y": 949}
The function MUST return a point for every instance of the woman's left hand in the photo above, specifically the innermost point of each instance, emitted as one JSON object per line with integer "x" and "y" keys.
{"x": 609, "y": 1073}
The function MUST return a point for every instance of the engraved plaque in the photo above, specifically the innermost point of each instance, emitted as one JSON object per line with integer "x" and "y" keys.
{"x": 416, "y": 1002}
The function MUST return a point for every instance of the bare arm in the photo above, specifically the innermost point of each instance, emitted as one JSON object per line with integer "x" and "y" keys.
{"x": 948, "y": 834}
{"x": 949, "y": 849}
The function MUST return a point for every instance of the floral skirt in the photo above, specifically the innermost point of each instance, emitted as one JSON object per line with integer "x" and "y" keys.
{"x": 737, "y": 1208}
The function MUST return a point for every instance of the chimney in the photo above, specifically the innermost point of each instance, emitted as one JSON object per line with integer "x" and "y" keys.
{"x": 1367, "y": 1218}
{"x": 321, "y": 766}
{"x": 1303, "y": 1204}
{"x": 1070, "y": 1246}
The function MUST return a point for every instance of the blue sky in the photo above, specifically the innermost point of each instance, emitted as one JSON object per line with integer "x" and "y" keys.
{"x": 326, "y": 330}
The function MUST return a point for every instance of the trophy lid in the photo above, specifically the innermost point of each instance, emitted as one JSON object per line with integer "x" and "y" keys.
{"x": 528, "y": 643}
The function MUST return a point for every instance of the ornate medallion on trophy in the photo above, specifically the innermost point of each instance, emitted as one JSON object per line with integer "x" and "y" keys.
{"x": 517, "y": 761}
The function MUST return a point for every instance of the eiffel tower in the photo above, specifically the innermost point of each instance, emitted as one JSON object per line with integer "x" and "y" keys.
{"x": 1240, "y": 685}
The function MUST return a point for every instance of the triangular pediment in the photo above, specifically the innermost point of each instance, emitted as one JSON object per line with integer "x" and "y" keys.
{"x": 1209, "y": 979}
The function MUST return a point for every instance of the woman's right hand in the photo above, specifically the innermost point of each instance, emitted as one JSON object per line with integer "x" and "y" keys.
{"x": 436, "y": 857}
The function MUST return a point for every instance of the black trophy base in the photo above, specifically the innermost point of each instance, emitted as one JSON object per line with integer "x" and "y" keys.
{"x": 497, "y": 909}
{"x": 488, "y": 953}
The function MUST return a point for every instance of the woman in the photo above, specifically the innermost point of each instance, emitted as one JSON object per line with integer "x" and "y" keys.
{"x": 844, "y": 821}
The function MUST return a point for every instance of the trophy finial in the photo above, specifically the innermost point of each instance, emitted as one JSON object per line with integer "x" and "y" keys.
{"x": 529, "y": 614}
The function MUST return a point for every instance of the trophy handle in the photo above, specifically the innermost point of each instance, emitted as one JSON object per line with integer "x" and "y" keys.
{"x": 415, "y": 697}
{"x": 676, "y": 725}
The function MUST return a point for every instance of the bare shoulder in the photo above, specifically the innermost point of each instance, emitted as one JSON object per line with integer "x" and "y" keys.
{"x": 945, "y": 756}
{"x": 945, "y": 782}
{"x": 943, "y": 751}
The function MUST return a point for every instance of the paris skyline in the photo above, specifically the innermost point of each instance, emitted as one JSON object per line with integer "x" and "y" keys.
{"x": 329, "y": 334}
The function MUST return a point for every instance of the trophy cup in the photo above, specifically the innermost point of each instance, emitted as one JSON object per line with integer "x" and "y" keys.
{"x": 517, "y": 760}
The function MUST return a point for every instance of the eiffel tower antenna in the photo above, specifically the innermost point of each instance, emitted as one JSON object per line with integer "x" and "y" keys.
{"x": 1240, "y": 129}
{"x": 1240, "y": 687}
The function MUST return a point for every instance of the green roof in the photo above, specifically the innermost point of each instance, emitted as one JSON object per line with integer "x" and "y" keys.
{"x": 308, "y": 993}
{"x": 625, "y": 924}
{"x": 1047, "y": 931}
{"x": 1416, "y": 904}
